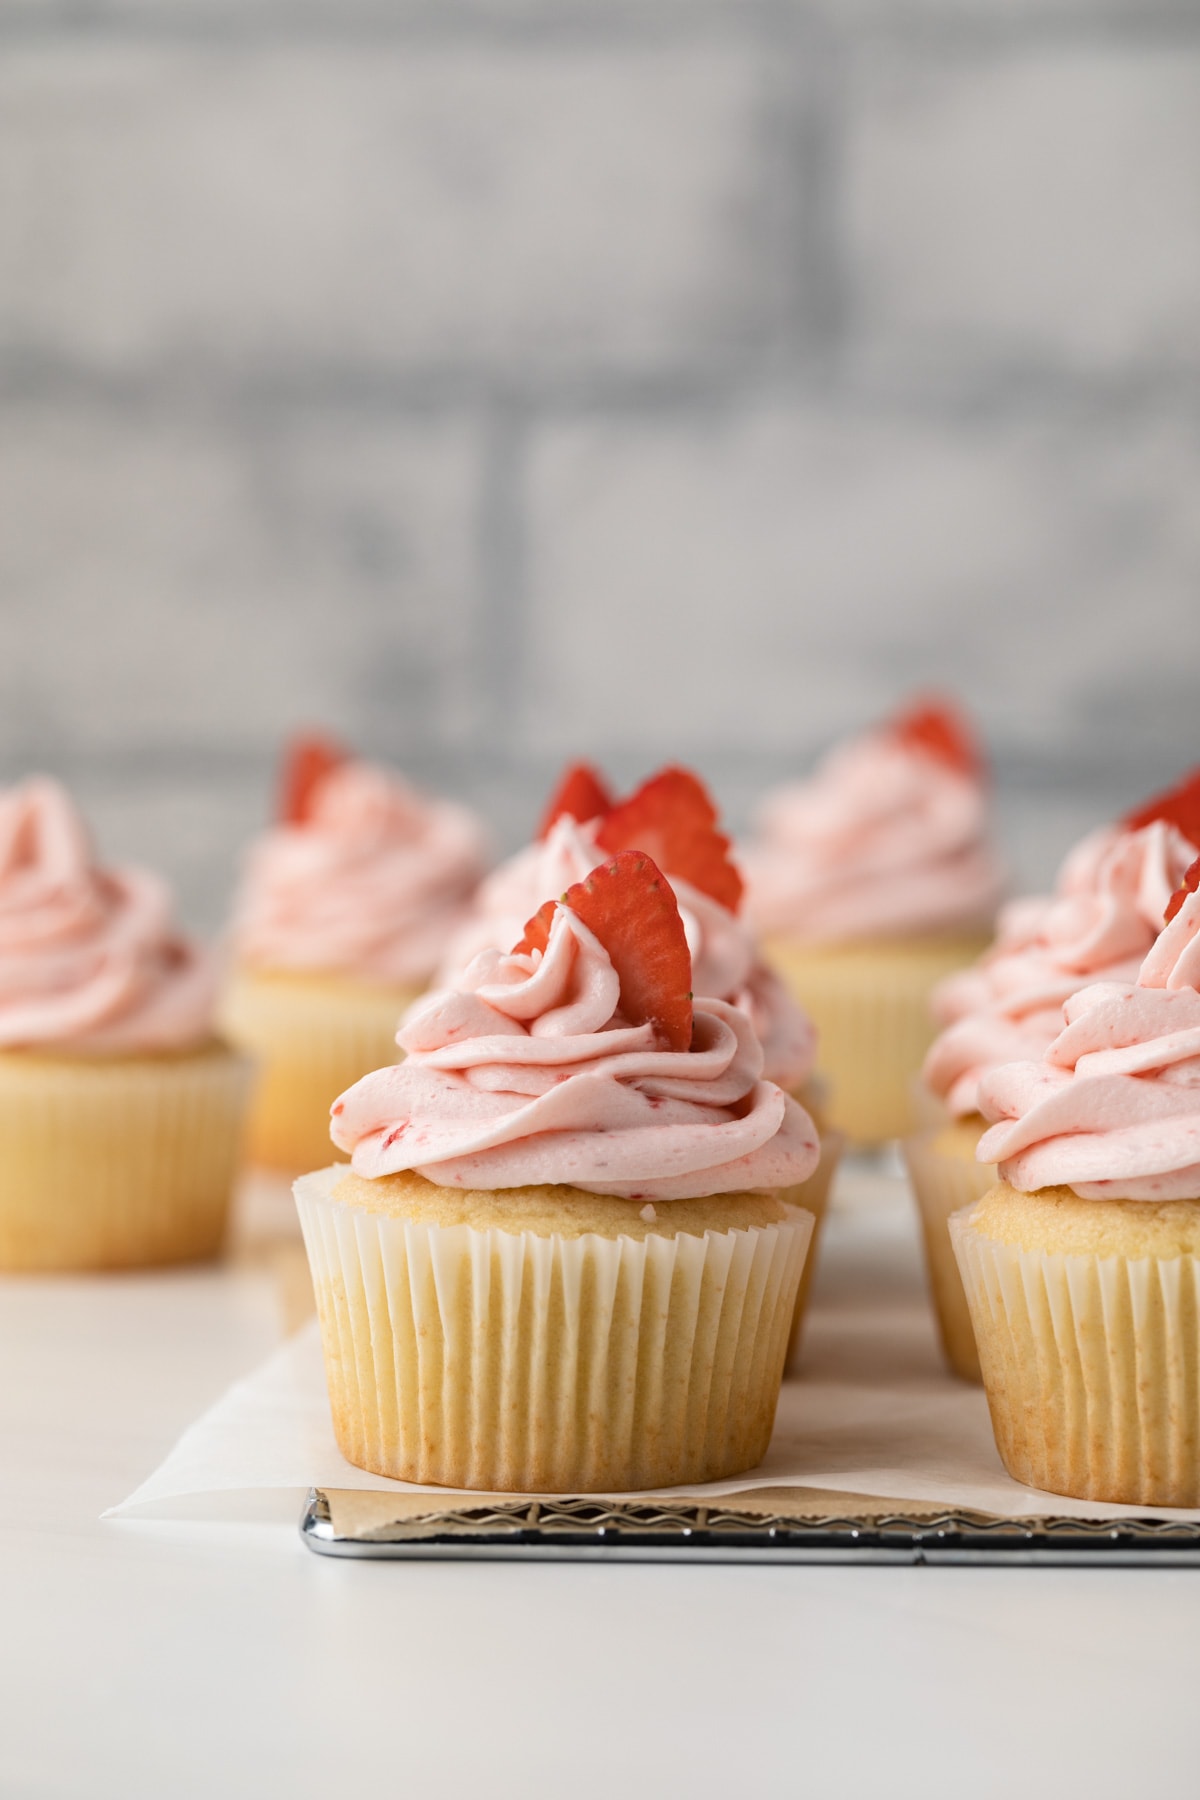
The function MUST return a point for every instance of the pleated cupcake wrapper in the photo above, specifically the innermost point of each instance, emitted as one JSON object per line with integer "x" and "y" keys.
{"x": 813, "y": 1196}
{"x": 873, "y": 1029}
{"x": 813, "y": 1096}
{"x": 1091, "y": 1366}
{"x": 113, "y": 1162}
{"x": 942, "y": 1184}
{"x": 508, "y": 1362}
{"x": 929, "y": 1111}
{"x": 312, "y": 1040}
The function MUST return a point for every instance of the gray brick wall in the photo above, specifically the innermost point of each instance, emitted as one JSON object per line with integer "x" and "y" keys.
{"x": 394, "y": 206}
{"x": 491, "y": 379}
{"x": 1036, "y": 205}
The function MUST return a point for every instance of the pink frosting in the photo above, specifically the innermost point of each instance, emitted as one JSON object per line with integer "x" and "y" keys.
{"x": 372, "y": 884}
{"x": 89, "y": 957}
{"x": 1113, "y": 1108}
{"x": 1102, "y": 919}
{"x": 884, "y": 840}
{"x": 725, "y": 959}
{"x": 526, "y": 1073}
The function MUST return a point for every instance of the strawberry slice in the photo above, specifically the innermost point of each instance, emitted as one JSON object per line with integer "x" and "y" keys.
{"x": 941, "y": 730}
{"x": 672, "y": 818}
{"x": 1179, "y": 806}
{"x": 629, "y": 906}
{"x": 1191, "y": 882}
{"x": 308, "y": 759}
{"x": 581, "y": 792}
{"x": 537, "y": 929}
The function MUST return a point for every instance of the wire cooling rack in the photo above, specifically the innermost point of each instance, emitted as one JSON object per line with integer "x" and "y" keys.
{"x": 648, "y": 1531}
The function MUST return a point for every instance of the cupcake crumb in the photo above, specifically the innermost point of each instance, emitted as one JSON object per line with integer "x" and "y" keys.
{"x": 648, "y": 1213}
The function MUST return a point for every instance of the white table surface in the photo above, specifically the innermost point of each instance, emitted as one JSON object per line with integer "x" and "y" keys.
{"x": 177, "y": 1660}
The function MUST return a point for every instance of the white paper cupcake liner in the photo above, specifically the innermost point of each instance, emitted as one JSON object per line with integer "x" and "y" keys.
{"x": 929, "y": 1110}
{"x": 312, "y": 1038}
{"x": 508, "y": 1362}
{"x": 943, "y": 1184}
{"x": 871, "y": 1007}
{"x": 117, "y": 1162}
{"x": 1091, "y": 1366}
{"x": 813, "y": 1196}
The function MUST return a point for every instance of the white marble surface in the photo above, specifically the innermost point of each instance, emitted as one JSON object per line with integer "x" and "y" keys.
{"x": 194, "y": 1659}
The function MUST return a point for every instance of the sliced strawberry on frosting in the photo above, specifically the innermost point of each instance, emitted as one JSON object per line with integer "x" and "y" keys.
{"x": 307, "y": 760}
{"x": 537, "y": 930}
{"x": 672, "y": 818}
{"x": 941, "y": 730}
{"x": 1191, "y": 882}
{"x": 1179, "y": 806}
{"x": 628, "y": 904}
{"x": 581, "y": 793}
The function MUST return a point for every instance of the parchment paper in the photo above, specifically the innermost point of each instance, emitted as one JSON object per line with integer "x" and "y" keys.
{"x": 872, "y": 1413}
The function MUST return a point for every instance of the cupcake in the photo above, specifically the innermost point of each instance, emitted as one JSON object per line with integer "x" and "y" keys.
{"x": 346, "y": 906}
{"x": 1082, "y": 1265}
{"x": 870, "y": 882}
{"x": 1098, "y": 925}
{"x": 671, "y": 817}
{"x": 564, "y": 1257}
{"x": 120, "y": 1111}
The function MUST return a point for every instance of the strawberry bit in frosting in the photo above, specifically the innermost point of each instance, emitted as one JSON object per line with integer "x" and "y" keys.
{"x": 889, "y": 838}
{"x": 725, "y": 958}
{"x": 1113, "y": 1109}
{"x": 371, "y": 883}
{"x": 89, "y": 958}
{"x": 1098, "y": 926}
{"x": 529, "y": 1072}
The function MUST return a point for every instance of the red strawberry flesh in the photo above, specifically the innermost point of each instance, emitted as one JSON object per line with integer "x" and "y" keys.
{"x": 307, "y": 760}
{"x": 1191, "y": 882}
{"x": 940, "y": 729}
{"x": 1179, "y": 806}
{"x": 537, "y": 930}
{"x": 672, "y": 818}
{"x": 628, "y": 904}
{"x": 581, "y": 793}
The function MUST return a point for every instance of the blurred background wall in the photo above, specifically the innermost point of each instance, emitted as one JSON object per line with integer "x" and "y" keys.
{"x": 492, "y": 382}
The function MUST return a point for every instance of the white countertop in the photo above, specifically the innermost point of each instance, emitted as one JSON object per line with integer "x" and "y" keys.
{"x": 187, "y": 1659}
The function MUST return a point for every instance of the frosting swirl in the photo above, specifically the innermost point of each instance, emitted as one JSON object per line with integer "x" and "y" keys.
{"x": 526, "y": 1073}
{"x": 725, "y": 959}
{"x": 372, "y": 883}
{"x": 1098, "y": 925}
{"x": 884, "y": 840}
{"x": 1113, "y": 1108}
{"x": 89, "y": 957}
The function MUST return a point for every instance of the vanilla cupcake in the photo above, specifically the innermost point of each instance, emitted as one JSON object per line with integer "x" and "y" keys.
{"x": 120, "y": 1111}
{"x": 1098, "y": 925}
{"x": 1082, "y": 1266}
{"x": 672, "y": 818}
{"x": 870, "y": 882}
{"x": 564, "y": 1258}
{"x": 345, "y": 910}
